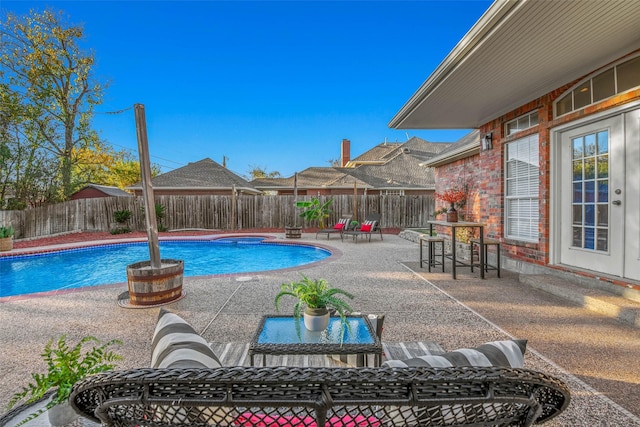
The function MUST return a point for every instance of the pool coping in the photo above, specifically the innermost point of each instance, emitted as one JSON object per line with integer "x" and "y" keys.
{"x": 334, "y": 254}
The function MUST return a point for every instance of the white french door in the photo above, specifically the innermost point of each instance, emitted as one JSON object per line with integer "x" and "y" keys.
{"x": 600, "y": 196}
{"x": 632, "y": 190}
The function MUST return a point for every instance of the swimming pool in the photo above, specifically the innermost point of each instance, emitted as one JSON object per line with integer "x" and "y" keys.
{"x": 105, "y": 264}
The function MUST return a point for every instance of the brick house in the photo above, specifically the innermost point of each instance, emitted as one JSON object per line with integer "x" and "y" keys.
{"x": 554, "y": 90}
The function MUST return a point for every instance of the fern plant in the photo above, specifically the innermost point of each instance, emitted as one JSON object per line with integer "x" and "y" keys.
{"x": 65, "y": 366}
{"x": 316, "y": 293}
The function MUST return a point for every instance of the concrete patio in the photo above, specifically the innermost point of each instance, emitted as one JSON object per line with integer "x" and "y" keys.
{"x": 595, "y": 355}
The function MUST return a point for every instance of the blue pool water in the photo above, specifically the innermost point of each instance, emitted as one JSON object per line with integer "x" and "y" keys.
{"x": 99, "y": 265}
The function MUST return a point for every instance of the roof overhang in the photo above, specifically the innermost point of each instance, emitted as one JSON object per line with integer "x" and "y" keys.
{"x": 518, "y": 51}
{"x": 451, "y": 156}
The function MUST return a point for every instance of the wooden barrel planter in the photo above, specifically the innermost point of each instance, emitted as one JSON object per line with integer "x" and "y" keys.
{"x": 293, "y": 232}
{"x": 153, "y": 286}
{"x": 6, "y": 243}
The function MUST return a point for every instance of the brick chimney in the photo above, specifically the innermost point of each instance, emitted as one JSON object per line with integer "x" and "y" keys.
{"x": 345, "y": 152}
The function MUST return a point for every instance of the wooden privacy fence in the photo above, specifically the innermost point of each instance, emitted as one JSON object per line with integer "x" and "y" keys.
{"x": 212, "y": 212}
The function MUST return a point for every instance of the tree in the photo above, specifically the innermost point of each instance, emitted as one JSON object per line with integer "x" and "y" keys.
{"x": 126, "y": 171}
{"x": 28, "y": 174}
{"x": 101, "y": 165}
{"x": 51, "y": 79}
{"x": 256, "y": 172}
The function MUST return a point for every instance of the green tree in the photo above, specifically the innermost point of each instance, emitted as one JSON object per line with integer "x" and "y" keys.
{"x": 51, "y": 78}
{"x": 102, "y": 165}
{"x": 28, "y": 174}
{"x": 125, "y": 171}
{"x": 256, "y": 172}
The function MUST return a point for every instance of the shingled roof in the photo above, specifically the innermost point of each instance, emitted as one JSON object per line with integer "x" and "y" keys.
{"x": 385, "y": 166}
{"x": 109, "y": 190}
{"x": 466, "y": 146}
{"x": 105, "y": 189}
{"x": 377, "y": 155}
{"x": 201, "y": 175}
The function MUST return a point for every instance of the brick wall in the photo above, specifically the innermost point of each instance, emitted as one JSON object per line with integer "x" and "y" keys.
{"x": 484, "y": 172}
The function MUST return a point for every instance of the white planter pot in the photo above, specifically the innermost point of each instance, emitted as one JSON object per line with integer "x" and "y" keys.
{"x": 62, "y": 415}
{"x": 316, "y": 319}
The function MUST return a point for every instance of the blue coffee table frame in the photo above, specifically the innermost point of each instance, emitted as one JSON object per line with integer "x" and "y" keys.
{"x": 289, "y": 342}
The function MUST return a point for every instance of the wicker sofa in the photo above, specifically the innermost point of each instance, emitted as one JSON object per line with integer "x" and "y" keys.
{"x": 187, "y": 385}
{"x": 281, "y": 396}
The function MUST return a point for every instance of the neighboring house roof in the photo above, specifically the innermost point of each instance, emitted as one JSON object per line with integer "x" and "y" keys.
{"x": 377, "y": 155}
{"x": 516, "y": 52}
{"x": 106, "y": 189}
{"x": 201, "y": 175}
{"x": 466, "y": 146}
{"x": 386, "y": 166}
{"x": 310, "y": 178}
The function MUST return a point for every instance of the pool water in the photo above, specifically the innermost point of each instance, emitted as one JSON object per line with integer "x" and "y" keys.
{"x": 100, "y": 265}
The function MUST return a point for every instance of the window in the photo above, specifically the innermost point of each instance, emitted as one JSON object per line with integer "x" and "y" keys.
{"x": 617, "y": 79}
{"x": 521, "y": 123}
{"x": 590, "y": 195}
{"x": 394, "y": 192}
{"x": 521, "y": 192}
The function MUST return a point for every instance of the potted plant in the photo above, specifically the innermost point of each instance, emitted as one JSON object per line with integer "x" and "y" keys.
{"x": 314, "y": 210}
{"x": 66, "y": 366}
{"x": 454, "y": 196}
{"x": 121, "y": 218}
{"x": 314, "y": 299}
{"x": 6, "y": 238}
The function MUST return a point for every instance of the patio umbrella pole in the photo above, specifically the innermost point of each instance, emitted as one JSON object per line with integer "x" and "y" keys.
{"x": 147, "y": 189}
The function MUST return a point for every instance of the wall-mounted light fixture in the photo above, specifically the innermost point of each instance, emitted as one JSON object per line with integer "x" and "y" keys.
{"x": 487, "y": 143}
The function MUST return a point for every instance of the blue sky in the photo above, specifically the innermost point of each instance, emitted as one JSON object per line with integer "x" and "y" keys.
{"x": 276, "y": 85}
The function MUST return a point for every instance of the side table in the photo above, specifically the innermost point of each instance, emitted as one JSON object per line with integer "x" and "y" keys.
{"x": 278, "y": 335}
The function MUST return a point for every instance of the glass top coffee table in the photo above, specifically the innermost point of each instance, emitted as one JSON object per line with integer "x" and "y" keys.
{"x": 278, "y": 335}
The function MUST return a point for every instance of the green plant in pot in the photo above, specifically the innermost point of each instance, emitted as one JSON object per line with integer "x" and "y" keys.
{"x": 121, "y": 218}
{"x": 315, "y": 297}
{"x": 314, "y": 210}
{"x": 65, "y": 366}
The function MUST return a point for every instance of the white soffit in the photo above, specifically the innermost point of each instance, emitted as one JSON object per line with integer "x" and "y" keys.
{"x": 518, "y": 51}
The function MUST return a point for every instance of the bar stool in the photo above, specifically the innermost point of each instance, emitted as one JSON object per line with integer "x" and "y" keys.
{"x": 431, "y": 242}
{"x": 487, "y": 243}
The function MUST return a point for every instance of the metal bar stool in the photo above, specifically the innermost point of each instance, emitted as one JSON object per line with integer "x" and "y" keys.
{"x": 431, "y": 260}
{"x": 487, "y": 243}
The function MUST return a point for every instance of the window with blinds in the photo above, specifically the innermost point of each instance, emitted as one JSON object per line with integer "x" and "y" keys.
{"x": 521, "y": 192}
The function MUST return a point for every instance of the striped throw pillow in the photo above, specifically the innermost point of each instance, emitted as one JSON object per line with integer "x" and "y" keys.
{"x": 177, "y": 345}
{"x": 496, "y": 353}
